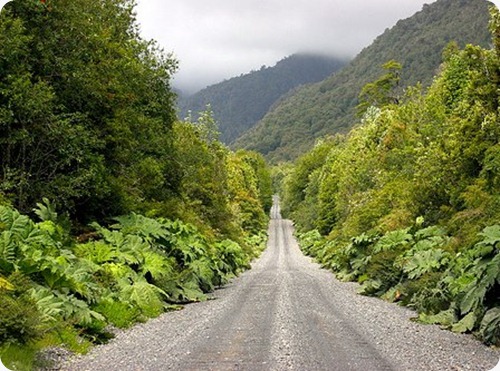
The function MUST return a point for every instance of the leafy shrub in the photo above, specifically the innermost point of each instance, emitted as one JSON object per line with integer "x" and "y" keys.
{"x": 120, "y": 314}
{"x": 57, "y": 291}
{"x": 425, "y": 294}
{"x": 489, "y": 329}
{"x": 381, "y": 273}
{"x": 19, "y": 319}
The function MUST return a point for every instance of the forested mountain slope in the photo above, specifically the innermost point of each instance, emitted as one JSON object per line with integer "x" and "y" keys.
{"x": 328, "y": 107}
{"x": 240, "y": 102}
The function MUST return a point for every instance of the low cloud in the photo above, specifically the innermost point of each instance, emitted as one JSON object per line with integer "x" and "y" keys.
{"x": 218, "y": 39}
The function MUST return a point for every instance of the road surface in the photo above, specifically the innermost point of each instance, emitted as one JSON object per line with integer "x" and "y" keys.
{"x": 288, "y": 314}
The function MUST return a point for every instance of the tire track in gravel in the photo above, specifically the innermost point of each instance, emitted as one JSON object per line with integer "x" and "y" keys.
{"x": 287, "y": 314}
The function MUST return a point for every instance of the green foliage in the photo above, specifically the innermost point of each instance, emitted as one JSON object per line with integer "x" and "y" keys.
{"x": 382, "y": 91}
{"x": 85, "y": 109}
{"x": 87, "y": 120}
{"x": 20, "y": 321}
{"x": 486, "y": 272}
{"x": 231, "y": 192}
{"x": 490, "y": 326}
{"x": 426, "y": 261}
{"x": 129, "y": 272}
{"x": 118, "y": 313}
{"x": 417, "y": 184}
{"x": 299, "y": 202}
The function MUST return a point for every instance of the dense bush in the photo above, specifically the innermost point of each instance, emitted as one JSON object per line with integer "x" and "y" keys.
{"x": 408, "y": 203}
{"x": 133, "y": 270}
{"x": 416, "y": 268}
{"x": 86, "y": 109}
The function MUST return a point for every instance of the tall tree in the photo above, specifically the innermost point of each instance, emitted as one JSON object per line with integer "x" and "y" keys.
{"x": 85, "y": 108}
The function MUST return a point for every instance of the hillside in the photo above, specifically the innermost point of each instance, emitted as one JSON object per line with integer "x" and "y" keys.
{"x": 292, "y": 127}
{"x": 240, "y": 102}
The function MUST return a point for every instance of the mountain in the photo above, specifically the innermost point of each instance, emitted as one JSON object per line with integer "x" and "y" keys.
{"x": 240, "y": 102}
{"x": 328, "y": 107}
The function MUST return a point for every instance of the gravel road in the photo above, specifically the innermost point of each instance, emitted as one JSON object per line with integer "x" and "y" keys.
{"x": 288, "y": 314}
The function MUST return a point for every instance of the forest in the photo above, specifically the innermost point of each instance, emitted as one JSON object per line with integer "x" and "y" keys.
{"x": 112, "y": 211}
{"x": 408, "y": 203}
{"x": 240, "y": 102}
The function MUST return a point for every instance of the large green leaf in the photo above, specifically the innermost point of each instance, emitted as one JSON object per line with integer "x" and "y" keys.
{"x": 466, "y": 324}
{"x": 393, "y": 240}
{"x": 488, "y": 274}
{"x": 490, "y": 326}
{"x": 426, "y": 261}
{"x": 491, "y": 235}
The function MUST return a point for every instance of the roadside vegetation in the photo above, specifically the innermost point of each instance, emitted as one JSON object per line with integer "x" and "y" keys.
{"x": 111, "y": 210}
{"x": 408, "y": 203}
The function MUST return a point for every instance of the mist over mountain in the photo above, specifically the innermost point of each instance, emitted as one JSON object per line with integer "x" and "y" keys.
{"x": 240, "y": 102}
{"x": 328, "y": 107}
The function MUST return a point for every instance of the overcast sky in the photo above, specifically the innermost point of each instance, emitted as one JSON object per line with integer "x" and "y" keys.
{"x": 218, "y": 39}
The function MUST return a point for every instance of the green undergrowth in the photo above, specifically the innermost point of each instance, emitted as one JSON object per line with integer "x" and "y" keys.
{"x": 420, "y": 268}
{"x": 59, "y": 291}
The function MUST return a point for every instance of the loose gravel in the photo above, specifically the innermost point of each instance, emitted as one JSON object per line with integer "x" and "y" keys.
{"x": 288, "y": 314}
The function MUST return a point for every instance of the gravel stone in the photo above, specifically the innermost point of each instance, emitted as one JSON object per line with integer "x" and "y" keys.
{"x": 288, "y": 314}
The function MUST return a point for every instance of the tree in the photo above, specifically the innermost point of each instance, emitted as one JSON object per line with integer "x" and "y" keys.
{"x": 383, "y": 91}
{"x": 85, "y": 108}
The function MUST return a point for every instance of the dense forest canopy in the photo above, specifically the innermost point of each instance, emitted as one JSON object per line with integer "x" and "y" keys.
{"x": 86, "y": 109}
{"x": 328, "y": 107}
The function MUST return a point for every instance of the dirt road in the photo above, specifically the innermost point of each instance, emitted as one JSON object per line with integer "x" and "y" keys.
{"x": 288, "y": 314}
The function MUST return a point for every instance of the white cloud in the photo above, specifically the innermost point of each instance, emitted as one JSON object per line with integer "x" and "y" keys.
{"x": 2, "y": 3}
{"x": 222, "y": 38}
